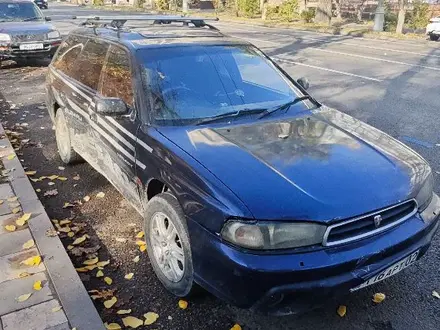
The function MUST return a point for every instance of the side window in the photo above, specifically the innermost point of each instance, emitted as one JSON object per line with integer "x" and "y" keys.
{"x": 67, "y": 54}
{"x": 116, "y": 80}
{"x": 87, "y": 68}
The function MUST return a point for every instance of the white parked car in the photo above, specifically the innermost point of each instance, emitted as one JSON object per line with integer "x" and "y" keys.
{"x": 433, "y": 28}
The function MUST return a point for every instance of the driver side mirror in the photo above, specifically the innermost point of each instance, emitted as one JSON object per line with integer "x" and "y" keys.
{"x": 47, "y": 18}
{"x": 303, "y": 82}
{"x": 111, "y": 106}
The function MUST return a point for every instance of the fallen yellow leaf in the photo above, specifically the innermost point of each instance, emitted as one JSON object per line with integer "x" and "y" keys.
{"x": 142, "y": 248}
{"x": 140, "y": 234}
{"x": 42, "y": 177}
{"x": 63, "y": 229}
{"x": 129, "y": 276}
{"x": 150, "y": 318}
{"x": 32, "y": 261}
{"x": 28, "y": 244}
{"x": 10, "y": 227}
{"x": 86, "y": 198}
{"x": 123, "y": 311}
{"x": 12, "y": 199}
{"x": 35, "y": 180}
{"x": 132, "y": 322}
{"x": 378, "y": 298}
{"x": 100, "y": 195}
{"x": 11, "y": 156}
{"x": 76, "y": 177}
{"x": 16, "y": 210}
{"x": 23, "y": 219}
{"x": 24, "y": 274}
{"x": 82, "y": 269}
{"x": 108, "y": 280}
{"x": 140, "y": 243}
{"x": 342, "y": 310}
{"x": 38, "y": 190}
{"x": 99, "y": 273}
{"x": 67, "y": 204}
{"x": 64, "y": 222}
{"x": 109, "y": 303}
{"x": 136, "y": 259}
{"x": 52, "y": 177}
{"x": 91, "y": 267}
{"x": 56, "y": 309}
{"x": 37, "y": 285}
{"x": 91, "y": 261}
{"x": 183, "y": 304}
{"x": 112, "y": 326}
{"x": 30, "y": 173}
{"x": 70, "y": 234}
{"x": 236, "y": 327}
{"x": 70, "y": 247}
{"x": 79, "y": 240}
{"x": 103, "y": 263}
{"x": 24, "y": 297}
{"x": 435, "y": 294}
{"x": 62, "y": 178}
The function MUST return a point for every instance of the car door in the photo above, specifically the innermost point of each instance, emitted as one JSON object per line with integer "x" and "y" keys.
{"x": 117, "y": 82}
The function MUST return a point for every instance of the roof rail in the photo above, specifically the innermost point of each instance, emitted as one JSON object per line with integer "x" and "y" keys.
{"x": 118, "y": 22}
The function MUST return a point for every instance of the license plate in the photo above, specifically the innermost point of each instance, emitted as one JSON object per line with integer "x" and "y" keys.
{"x": 390, "y": 271}
{"x": 31, "y": 46}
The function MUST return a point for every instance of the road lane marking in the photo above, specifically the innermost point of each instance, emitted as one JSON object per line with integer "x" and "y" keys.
{"x": 374, "y": 58}
{"x": 276, "y": 58}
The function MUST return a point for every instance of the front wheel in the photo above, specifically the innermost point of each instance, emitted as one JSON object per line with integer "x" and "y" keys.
{"x": 168, "y": 244}
{"x": 433, "y": 37}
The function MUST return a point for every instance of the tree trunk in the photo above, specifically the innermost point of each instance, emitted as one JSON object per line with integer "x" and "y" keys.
{"x": 236, "y": 7}
{"x": 262, "y": 5}
{"x": 401, "y": 17}
{"x": 302, "y": 5}
{"x": 264, "y": 11}
{"x": 338, "y": 9}
{"x": 324, "y": 12}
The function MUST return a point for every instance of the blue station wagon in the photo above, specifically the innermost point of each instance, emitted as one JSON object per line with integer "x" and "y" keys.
{"x": 249, "y": 187}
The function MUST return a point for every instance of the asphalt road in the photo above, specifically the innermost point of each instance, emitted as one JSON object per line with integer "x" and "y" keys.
{"x": 392, "y": 85}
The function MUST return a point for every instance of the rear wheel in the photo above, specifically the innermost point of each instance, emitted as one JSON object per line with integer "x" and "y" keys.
{"x": 434, "y": 37}
{"x": 62, "y": 133}
{"x": 168, "y": 244}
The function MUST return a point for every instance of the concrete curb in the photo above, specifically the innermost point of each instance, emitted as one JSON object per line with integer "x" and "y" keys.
{"x": 77, "y": 305}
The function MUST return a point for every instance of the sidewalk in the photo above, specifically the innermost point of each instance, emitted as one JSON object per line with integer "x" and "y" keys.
{"x": 26, "y": 233}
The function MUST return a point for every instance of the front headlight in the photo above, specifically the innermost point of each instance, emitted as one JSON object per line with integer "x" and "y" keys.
{"x": 5, "y": 37}
{"x": 53, "y": 35}
{"x": 270, "y": 236}
{"x": 425, "y": 194}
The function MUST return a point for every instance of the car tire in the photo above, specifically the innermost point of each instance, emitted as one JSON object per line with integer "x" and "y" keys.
{"x": 62, "y": 133}
{"x": 433, "y": 37}
{"x": 176, "y": 275}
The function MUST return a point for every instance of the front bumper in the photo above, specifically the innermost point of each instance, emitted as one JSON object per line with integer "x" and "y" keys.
{"x": 296, "y": 281}
{"x": 11, "y": 51}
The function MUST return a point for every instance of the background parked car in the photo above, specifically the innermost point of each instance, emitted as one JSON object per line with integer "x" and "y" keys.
{"x": 43, "y": 4}
{"x": 433, "y": 28}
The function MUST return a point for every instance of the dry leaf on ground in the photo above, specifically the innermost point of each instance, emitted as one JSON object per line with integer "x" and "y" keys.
{"x": 24, "y": 274}
{"x": 435, "y": 294}
{"x": 76, "y": 177}
{"x": 183, "y": 304}
{"x": 136, "y": 259}
{"x": 56, "y": 309}
{"x": 16, "y": 210}
{"x": 129, "y": 276}
{"x": 100, "y": 195}
{"x": 64, "y": 222}
{"x": 32, "y": 261}
{"x": 150, "y": 318}
{"x": 99, "y": 273}
{"x": 109, "y": 303}
{"x": 108, "y": 280}
{"x": 103, "y": 263}
{"x": 112, "y": 326}
{"x": 132, "y": 322}
{"x": 91, "y": 261}
{"x": 140, "y": 234}
{"x": 378, "y": 298}
{"x": 142, "y": 248}
{"x": 24, "y": 297}
{"x": 28, "y": 244}
{"x": 62, "y": 178}
{"x": 86, "y": 198}
{"x": 103, "y": 294}
{"x": 52, "y": 192}
{"x": 342, "y": 310}
{"x": 30, "y": 173}
{"x": 51, "y": 232}
{"x": 123, "y": 311}
{"x": 10, "y": 227}
{"x": 236, "y": 327}
{"x": 67, "y": 204}
{"x": 79, "y": 240}
{"x": 37, "y": 286}
{"x": 23, "y": 219}
{"x": 52, "y": 177}
{"x": 11, "y": 156}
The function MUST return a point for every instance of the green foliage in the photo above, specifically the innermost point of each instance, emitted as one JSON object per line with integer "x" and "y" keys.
{"x": 140, "y": 3}
{"x": 390, "y": 22}
{"x": 162, "y": 4}
{"x": 289, "y": 10}
{"x": 272, "y": 12}
{"x": 419, "y": 17}
{"x": 249, "y": 8}
{"x": 308, "y": 15}
{"x": 98, "y": 2}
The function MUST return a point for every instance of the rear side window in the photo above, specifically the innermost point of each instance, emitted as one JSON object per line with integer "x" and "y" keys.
{"x": 116, "y": 78}
{"x": 87, "y": 67}
{"x": 68, "y": 53}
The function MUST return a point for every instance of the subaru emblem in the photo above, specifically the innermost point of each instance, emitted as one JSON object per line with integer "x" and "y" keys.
{"x": 377, "y": 220}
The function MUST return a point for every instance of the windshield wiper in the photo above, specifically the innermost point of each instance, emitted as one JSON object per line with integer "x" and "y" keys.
{"x": 285, "y": 105}
{"x": 31, "y": 19}
{"x": 233, "y": 114}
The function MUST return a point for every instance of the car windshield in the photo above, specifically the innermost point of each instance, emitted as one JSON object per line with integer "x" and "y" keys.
{"x": 19, "y": 11}
{"x": 188, "y": 84}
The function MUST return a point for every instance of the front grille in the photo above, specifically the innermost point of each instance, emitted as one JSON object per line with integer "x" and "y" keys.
{"x": 28, "y": 37}
{"x": 370, "y": 224}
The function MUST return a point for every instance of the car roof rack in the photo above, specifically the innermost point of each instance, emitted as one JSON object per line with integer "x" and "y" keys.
{"x": 117, "y": 22}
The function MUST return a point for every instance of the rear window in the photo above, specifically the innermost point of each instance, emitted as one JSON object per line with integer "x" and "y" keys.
{"x": 68, "y": 53}
{"x": 87, "y": 67}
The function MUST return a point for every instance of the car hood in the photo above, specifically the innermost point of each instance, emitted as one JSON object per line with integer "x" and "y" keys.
{"x": 32, "y": 27}
{"x": 322, "y": 166}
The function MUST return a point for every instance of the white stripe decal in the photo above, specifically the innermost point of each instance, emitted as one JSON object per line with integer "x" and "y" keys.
{"x": 143, "y": 144}
{"x": 74, "y": 87}
{"x": 105, "y": 135}
{"x": 116, "y": 134}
